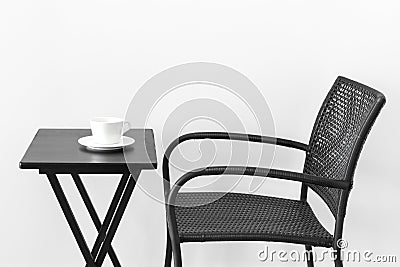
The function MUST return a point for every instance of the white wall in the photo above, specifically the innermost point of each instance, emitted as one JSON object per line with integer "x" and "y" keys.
{"x": 63, "y": 62}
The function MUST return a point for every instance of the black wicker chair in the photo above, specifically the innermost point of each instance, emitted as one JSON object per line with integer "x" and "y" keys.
{"x": 340, "y": 130}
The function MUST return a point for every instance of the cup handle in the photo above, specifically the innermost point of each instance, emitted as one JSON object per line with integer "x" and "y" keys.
{"x": 126, "y": 127}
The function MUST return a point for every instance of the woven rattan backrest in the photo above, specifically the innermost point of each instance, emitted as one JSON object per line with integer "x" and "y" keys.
{"x": 340, "y": 130}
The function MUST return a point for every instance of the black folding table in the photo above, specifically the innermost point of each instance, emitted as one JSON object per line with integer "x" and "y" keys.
{"x": 56, "y": 151}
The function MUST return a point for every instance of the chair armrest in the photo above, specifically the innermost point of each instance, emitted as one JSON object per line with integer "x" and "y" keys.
{"x": 255, "y": 171}
{"x": 224, "y": 136}
{"x": 237, "y": 137}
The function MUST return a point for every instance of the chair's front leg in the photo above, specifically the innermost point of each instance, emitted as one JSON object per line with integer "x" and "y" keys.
{"x": 310, "y": 256}
{"x": 174, "y": 235}
{"x": 176, "y": 252}
{"x": 168, "y": 251}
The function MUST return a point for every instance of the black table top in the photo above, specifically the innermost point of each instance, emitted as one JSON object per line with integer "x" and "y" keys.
{"x": 58, "y": 151}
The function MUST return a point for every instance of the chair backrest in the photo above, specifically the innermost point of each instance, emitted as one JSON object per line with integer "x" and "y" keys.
{"x": 341, "y": 127}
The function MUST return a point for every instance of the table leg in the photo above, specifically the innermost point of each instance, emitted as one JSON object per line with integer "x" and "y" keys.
{"x": 117, "y": 217}
{"x": 102, "y": 229}
{"x": 55, "y": 184}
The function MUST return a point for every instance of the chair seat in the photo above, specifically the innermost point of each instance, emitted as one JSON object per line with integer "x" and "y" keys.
{"x": 216, "y": 216}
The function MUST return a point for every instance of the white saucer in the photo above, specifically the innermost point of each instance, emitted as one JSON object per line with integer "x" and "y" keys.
{"x": 89, "y": 143}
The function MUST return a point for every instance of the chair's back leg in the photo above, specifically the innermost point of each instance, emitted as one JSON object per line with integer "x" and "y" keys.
{"x": 310, "y": 256}
{"x": 338, "y": 263}
{"x": 338, "y": 259}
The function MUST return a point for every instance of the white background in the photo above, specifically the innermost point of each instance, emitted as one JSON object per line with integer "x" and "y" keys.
{"x": 63, "y": 62}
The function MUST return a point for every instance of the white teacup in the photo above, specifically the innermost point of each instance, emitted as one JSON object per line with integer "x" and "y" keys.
{"x": 108, "y": 130}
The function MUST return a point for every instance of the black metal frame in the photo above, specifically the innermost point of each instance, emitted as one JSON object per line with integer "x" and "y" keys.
{"x": 172, "y": 242}
{"x": 172, "y": 239}
{"x": 345, "y": 185}
{"x": 107, "y": 229}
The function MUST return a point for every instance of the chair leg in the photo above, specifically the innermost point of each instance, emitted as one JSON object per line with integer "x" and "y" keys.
{"x": 176, "y": 249}
{"x": 173, "y": 236}
{"x": 338, "y": 259}
{"x": 310, "y": 257}
{"x": 168, "y": 252}
{"x": 176, "y": 252}
{"x": 338, "y": 263}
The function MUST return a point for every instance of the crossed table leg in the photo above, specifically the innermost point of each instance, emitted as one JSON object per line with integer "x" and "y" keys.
{"x": 107, "y": 230}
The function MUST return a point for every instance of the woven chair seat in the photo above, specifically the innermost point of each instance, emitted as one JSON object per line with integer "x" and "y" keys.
{"x": 215, "y": 216}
